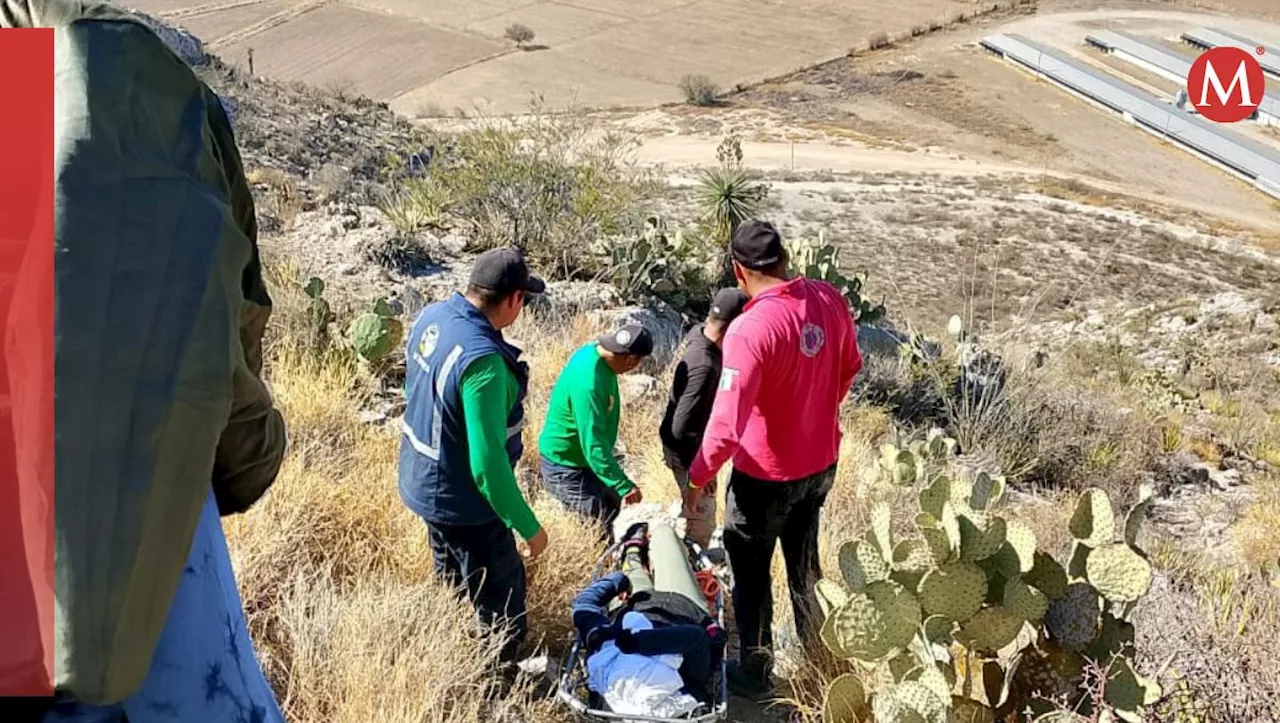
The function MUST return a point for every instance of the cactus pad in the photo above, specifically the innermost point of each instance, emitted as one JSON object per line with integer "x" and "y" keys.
{"x": 846, "y": 701}
{"x": 831, "y": 595}
{"x": 881, "y": 532}
{"x": 1025, "y": 601}
{"x": 861, "y": 565}
{"x": 906, "y": 468}
{"x": 951, "y": 525}
{"x": 375, "y": 335}
{"x": 1019, "y": 536}
{"x": 1072, "y": 620}
{"x": 968, "y": 710}
{"x": 909, "y": 702}
{"x": 1049, "y": 671}
{"x": 981, "y": 534}
{"x": 1115, "y": 637}
{"x": 938, "y": 629}
{"x": 954, "y": 591}
{"x": 912, "y": 555}
{"x": 987, "y": 491}
{"x": 1004, "y": 564}
{"x": 1127, "y": 692}
{"x": 939, "y": 445}
{"x": 933, "y": 497}
{"x": 1093, "y": 522}
{"x": 1048, "y": 576}
{"x": 1119, "y": 573}
{"x": 943, "y": 538}
{"x": 931, "y": 677}
{"x": 990, "y": 629}
{"x": 873, "y": 626}
{"x": 1078, "y": 565}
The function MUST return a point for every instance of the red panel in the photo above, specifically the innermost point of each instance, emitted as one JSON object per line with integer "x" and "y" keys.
{"x": 26, "y": 362}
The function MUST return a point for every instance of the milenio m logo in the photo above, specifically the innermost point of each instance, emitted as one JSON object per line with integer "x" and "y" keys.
{"x": 1226, "y": 84}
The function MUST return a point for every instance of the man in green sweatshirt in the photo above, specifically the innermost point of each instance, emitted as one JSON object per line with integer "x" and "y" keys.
{"x": 462, "y": 438}
{"x": 579, "y": 467}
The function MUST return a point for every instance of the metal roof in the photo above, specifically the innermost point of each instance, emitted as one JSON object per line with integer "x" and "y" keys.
{"x": 1215, "y": 38}
{"x": 1241, "y": 155}
{"x": 1167, "y": 63}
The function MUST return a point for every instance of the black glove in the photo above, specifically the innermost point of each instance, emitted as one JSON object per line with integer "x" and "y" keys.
{"x": 626, "y": 641}
{"x": 601, "y": 634}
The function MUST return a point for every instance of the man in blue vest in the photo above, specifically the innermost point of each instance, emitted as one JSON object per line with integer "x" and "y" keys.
{"x": 466, "y": 387}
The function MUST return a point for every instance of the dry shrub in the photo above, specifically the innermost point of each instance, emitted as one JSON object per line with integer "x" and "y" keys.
{"x": 1215, "y": 629}
{"x": 699, "y": 90}
{"x": 1258, "y": 534}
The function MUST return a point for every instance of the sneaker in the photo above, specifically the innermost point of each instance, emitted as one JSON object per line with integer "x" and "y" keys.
{"x": 637, "y": 534}
{"x": 637, "y": 538}
{"x": 754, "y": 686}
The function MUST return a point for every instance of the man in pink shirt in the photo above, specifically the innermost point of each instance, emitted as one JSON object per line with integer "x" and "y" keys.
{"x": 789, "y": 361}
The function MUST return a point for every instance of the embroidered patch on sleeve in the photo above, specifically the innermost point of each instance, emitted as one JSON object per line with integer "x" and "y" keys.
{"x": 727, "y": 378}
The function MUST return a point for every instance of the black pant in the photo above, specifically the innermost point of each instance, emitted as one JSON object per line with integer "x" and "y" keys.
{"x": 757, "y": 513}
{"x": 485, "y": 559}
{"x": 583, "y": 492}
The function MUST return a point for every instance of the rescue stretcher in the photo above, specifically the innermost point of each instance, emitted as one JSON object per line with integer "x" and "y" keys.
{"x": 571, "y": 687}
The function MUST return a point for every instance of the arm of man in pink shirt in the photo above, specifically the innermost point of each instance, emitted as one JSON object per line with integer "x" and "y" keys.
{"x": 736, "y": 397}
{"x": 851, "y": 361}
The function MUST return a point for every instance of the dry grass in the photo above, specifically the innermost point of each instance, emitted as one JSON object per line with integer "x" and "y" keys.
{"x": 1258, "y": 534}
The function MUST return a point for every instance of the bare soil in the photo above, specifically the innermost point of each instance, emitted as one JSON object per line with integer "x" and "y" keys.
{"x": 592, "y": 53}
{"x": 944, "y": 91}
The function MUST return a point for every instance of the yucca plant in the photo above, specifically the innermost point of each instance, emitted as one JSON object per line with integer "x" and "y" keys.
{"x": 730, "y": 196}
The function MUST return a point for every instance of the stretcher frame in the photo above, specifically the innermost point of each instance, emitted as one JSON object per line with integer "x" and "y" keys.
{"x": 571, "y": 687}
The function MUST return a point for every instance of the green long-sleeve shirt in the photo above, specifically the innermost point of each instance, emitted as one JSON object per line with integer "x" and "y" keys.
{"x": 581, "y": 427}
{"x": 489, "y": 391}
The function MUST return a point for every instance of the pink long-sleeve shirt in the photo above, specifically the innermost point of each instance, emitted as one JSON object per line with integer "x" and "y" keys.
{"x": 789, "y": 361}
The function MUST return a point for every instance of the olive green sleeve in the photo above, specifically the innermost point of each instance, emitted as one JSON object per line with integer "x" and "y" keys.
{"x": 252, "y": 445}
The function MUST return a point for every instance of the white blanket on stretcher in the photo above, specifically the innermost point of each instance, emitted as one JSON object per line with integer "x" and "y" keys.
{"x": 639, "y": 684}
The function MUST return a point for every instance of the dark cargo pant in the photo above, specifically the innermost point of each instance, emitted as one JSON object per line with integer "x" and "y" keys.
{"x": 582, "y": 492}
{"x": 757, "y": 514}
{"x": 484, "y": 558}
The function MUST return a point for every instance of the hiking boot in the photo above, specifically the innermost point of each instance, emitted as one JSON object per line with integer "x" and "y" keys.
{"x": 754, "y": 685}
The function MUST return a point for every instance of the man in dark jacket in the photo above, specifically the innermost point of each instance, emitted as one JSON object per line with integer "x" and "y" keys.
{"x": 693, "y": 389}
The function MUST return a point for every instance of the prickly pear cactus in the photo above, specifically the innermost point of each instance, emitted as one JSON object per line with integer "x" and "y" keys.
{"x": 820, "y": 260}
{"x": 375, "y": 333}
{"x": 319, "y": 314}
{"x": 965, "y": 620}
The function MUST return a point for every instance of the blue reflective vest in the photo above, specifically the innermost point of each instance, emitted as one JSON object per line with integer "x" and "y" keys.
{"x": 435, "y": 469}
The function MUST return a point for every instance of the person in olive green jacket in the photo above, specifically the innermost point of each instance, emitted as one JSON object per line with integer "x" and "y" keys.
{"x": 580, "y": 432}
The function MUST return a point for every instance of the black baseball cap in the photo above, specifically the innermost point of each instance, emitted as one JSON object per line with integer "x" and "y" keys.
{"x": 631, "y": 339}
{"x": 756, "y": 245}
{"x": 504, "y": 270}
{"x": 727, "y": 304}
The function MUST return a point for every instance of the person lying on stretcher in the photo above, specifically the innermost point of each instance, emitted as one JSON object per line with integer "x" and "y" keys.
{"x": 652, "y": 646}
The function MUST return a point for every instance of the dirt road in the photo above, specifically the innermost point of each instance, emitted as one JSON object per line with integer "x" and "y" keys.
{"x": 808, "y": 157}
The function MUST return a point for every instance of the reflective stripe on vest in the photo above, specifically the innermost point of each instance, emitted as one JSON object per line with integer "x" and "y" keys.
{"x": 431, "y": 450}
